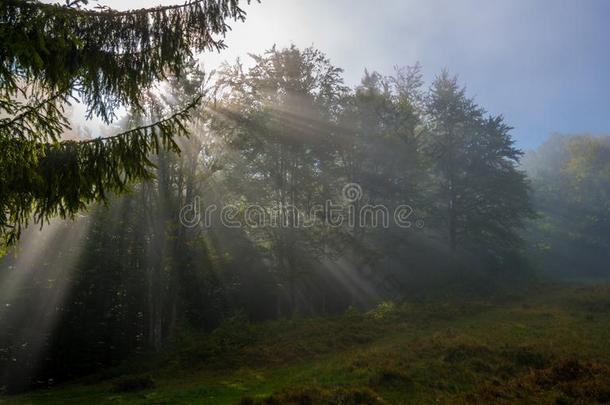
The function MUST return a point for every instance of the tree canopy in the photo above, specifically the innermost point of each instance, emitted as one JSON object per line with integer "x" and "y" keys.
{"x": 571, "y": 178}
{"x": 53, "y": 54}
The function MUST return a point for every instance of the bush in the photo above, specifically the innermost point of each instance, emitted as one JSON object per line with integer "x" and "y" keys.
{"x": 385, "y": 310}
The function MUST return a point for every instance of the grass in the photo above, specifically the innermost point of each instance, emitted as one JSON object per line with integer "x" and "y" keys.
{"x": 545, "y": 344}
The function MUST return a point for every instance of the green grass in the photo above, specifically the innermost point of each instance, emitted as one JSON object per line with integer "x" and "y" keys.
{"x": 544, "y": 344}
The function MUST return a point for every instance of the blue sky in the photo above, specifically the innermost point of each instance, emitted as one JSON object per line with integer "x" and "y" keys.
{"x": 543, "y": 64}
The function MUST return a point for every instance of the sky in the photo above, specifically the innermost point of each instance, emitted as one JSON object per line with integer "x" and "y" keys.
{"x": 542, "y": 64}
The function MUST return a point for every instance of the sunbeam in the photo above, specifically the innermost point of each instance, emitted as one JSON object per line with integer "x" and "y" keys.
{"x": 275, "y": 202}
{"x": 34, "y": 285}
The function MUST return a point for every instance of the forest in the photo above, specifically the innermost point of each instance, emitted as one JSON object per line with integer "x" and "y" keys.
{"x": 268, "y": 232}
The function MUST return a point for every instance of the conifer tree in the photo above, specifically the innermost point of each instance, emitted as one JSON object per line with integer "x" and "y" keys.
{"x": 51, "y": 54}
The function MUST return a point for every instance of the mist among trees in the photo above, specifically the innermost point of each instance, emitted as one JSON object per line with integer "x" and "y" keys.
{"x": 266, "y": 214}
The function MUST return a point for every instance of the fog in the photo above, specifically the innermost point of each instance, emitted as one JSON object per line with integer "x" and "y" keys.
{"x": 342, "y": 202}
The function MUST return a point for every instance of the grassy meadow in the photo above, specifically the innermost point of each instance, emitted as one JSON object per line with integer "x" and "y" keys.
{"x": 546, "y": 344}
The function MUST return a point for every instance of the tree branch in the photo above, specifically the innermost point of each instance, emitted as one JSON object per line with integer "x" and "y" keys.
{"x": 32, "y": 109}
{"x": 172, "y": 117}
{"x": 107, "y": 11}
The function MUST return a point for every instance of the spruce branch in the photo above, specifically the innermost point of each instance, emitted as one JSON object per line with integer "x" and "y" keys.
{"x": 180, "y": 115}
{"x": 33, "y": 110}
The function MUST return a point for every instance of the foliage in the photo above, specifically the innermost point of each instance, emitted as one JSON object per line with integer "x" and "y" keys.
{"x": 571, "y": 179}
{"x": 109, "y": 59}
{"x": 483, "y": 196}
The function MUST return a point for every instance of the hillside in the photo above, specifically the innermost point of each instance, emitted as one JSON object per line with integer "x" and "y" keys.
{"x": 547, "y": 344}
